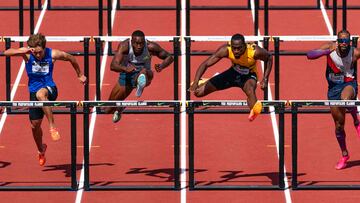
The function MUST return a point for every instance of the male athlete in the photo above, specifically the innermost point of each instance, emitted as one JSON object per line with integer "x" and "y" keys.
{"x": 242, "y": 73}
{"x": 132, "y": 61}
{"x": 342, "y": 84}
{"x": 39, "y": 68}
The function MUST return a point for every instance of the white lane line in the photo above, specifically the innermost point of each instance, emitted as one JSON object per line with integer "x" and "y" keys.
{"x": 183, "y": 107}
{"x": 80, "y": 191}
{"x": 273, "y": 121}
{"x": 22, "y": 66}
{"x": 326, "y": 18}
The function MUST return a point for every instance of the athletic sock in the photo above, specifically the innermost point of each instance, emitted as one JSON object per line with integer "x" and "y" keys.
{"x": 340, "y": 136}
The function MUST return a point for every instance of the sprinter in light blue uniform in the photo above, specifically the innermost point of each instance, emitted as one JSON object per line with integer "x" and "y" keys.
{"x": 132, "y": 61}
{"x": 39, "y": 68}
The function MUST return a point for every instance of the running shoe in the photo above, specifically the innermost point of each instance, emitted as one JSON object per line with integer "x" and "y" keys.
{"x": 255, "y": 111}
{"x": 141, "y": 83}
{"x": 116, "y": 117}
{"x": 342, "y": 163}
{"x": 55, "y": 135}
{"x": 42, "y": 158}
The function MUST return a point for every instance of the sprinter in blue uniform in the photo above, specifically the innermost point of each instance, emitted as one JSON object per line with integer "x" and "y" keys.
{"x": 39, "y": 67}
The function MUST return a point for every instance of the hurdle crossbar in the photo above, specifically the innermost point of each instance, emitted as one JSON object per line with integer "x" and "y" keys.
{"x": 122, "y": 38}
{"x": 50, "y": 38}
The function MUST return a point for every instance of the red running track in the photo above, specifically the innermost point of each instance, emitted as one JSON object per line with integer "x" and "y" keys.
{"x": 229, "y": 150}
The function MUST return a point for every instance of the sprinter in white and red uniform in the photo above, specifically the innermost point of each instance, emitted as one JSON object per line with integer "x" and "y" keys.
{"x": 342, "y": 84}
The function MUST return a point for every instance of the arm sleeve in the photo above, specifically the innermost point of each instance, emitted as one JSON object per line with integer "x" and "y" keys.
{"x": 314, "y": 54}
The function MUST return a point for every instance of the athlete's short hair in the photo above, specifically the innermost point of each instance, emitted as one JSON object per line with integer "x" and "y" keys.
{"x": 37, "y": 40}
{"x": 343, "y": 32}
{"x": 138, "y": 33}
{"x": 238, "y": 36}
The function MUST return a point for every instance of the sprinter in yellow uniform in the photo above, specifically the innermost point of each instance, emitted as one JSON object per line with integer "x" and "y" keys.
{"x": 242, "y": 73}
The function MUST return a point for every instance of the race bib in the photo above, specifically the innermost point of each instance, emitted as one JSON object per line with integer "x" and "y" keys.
{"x": 40, "y": 68}
{"x": 241, "y": 70}
{"x": 336, "y": 78}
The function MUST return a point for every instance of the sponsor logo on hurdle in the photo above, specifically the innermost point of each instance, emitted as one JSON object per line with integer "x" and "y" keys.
{"x": 101, "y": 104}
{"x": 28, "y": 104}
{"x": 160, "y": 103}
{"x": 135, "y": 103}
{"x": 57, "y": 104}
{"x": 233, "y": 103}
{"x": 206, "y": 104}
{"x": 339, "y": 103}
{"x": 309, "y": 103}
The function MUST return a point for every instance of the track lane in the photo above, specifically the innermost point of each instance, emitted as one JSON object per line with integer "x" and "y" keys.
{"x": 243, "y": 149}
{"x": 142, "y": 155}
{"x": 56, "y": 171}
{"x": 316, "y": 143}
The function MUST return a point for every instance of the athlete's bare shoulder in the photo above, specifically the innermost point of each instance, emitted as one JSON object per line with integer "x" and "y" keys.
{"x": 153, "y": 46}
{"x": 222, "y": 51}
{"x": 123, "y": 46}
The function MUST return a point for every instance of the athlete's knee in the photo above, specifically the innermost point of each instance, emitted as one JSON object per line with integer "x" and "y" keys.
{"x": 339, "y": 126}
{"x": 41, "y": 96}
{"x": 205, "y": 89}
{"x": 250, "y": 92}
{"x": 347, "y": 97}
{"x": 199, "y": 93}
{"x": 348, "y": 93}
{"x": 35, "y": 124}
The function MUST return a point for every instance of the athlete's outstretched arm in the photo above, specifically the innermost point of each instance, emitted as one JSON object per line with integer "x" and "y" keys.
{"x": 161, "y": 53}
{"x": 264, "y": 55}
{"x": 322, "y": 51}
{"x": 23, "y": 52}
{"x": 63, "y": 56}
{"x": 212, "y": 60}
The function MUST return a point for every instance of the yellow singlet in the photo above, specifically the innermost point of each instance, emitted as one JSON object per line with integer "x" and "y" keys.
{"x": 246, "y": 62}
